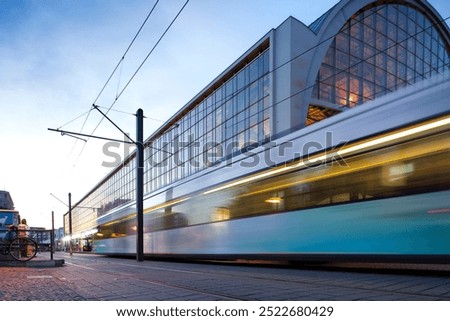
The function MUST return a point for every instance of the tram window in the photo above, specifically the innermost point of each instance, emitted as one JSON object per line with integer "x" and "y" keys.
{"x": 367, "y": 176}
{"x": 396, "y": 174}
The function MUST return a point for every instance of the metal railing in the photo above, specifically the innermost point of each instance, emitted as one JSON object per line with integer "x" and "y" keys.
{"x": 46, "y": 240}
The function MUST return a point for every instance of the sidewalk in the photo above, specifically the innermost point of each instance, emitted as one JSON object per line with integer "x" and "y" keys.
{"x": 34, "y": 280}
{"x": 41, "y": 260}
{"x": 91, "y": 277}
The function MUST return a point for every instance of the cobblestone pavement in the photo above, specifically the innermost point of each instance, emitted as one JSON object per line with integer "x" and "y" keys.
{"x": 92, "y": 277}
{"x": 32, "y": 284}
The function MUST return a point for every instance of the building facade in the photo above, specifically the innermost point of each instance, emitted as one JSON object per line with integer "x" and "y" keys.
{"x": 295, "y": 76}
{"x": 6, "y": 202}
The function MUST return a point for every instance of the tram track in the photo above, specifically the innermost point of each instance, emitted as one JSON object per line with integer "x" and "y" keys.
{"x": 115, "y": 274}
{"x": 225, "y": 282}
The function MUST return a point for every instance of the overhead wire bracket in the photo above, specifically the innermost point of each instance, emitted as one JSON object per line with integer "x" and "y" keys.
{"x": 73, "y": 134}
{"x": 109, "y": 119}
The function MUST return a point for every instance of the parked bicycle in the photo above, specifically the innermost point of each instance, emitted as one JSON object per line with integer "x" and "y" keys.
{"x": 21, "y": 248}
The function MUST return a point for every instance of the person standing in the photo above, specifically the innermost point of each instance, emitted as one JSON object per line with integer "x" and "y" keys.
{"x": 22, "y": 231}
{"x": 22, "y": 228}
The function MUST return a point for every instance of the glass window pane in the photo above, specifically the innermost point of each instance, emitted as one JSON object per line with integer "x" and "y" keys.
{"x": 254, "y": 71}
{"x": 383, "y": 46}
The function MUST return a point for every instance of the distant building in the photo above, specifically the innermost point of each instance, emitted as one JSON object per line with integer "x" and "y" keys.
{"x": 7, "y": 218}
{"x": 6, "y": 202}
{"x": 59, "y": 242}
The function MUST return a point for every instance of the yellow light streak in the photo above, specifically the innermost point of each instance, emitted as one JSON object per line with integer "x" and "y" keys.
{"x": 274, "y": 200}
{"x": 371, "y": 143}
{"x": 395, "y": 136}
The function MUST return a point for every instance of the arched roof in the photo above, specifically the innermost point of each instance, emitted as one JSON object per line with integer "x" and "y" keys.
{"x": 326, "y": 26}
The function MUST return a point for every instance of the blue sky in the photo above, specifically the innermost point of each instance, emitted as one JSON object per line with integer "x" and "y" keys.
{"x": 56, "y": 55}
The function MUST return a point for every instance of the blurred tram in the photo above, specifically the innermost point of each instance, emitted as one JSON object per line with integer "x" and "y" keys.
{"x": 371, "y": 183}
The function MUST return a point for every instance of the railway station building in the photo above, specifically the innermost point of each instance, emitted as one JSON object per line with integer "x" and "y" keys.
{"x": 294, "y": 77}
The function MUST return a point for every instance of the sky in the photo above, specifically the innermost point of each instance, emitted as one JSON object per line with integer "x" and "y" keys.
{"x": 56, "y": 56}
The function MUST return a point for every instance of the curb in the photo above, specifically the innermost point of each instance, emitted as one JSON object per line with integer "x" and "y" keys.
{"x": 34, "y": 264}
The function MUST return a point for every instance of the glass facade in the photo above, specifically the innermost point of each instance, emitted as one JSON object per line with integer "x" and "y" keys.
{"x": 230, "y": 118}
{"x": 233, "y": 116}
{"x": 379, "y": 50}
{"x": 118, "y": 189}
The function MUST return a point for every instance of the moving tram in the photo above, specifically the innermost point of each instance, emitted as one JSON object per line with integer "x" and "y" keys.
{"x": 378, "y": 190}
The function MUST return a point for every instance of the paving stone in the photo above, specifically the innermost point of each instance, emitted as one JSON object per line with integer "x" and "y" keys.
{"x": 97, "y": 278}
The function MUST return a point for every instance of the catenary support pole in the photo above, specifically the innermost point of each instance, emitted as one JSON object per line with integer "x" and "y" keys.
{"x": 140, "y": 185}
{"x": 52, "y": 237}
{"x": 70, "y": 224}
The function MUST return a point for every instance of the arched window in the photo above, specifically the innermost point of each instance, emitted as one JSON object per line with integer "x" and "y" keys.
{"x": 379, "y": 50}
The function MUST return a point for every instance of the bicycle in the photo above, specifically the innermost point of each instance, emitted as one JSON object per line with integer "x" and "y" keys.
{"x": 21, "y": 248}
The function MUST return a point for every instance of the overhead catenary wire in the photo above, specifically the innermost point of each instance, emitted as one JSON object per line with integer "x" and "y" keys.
{"x": 135, "y": 73}
{"x": 281, "y": 65}
{"x": 159, "y": 40}
{"x": 140, "y": 66}
{"x": 131, "y": 114}
{"x": 143, "y": 62}
{"x": 235, "y": 94}
{"x": 119, "y": 63}
{"x": 76, "y": 118}
{"x": 126, "y": 51}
